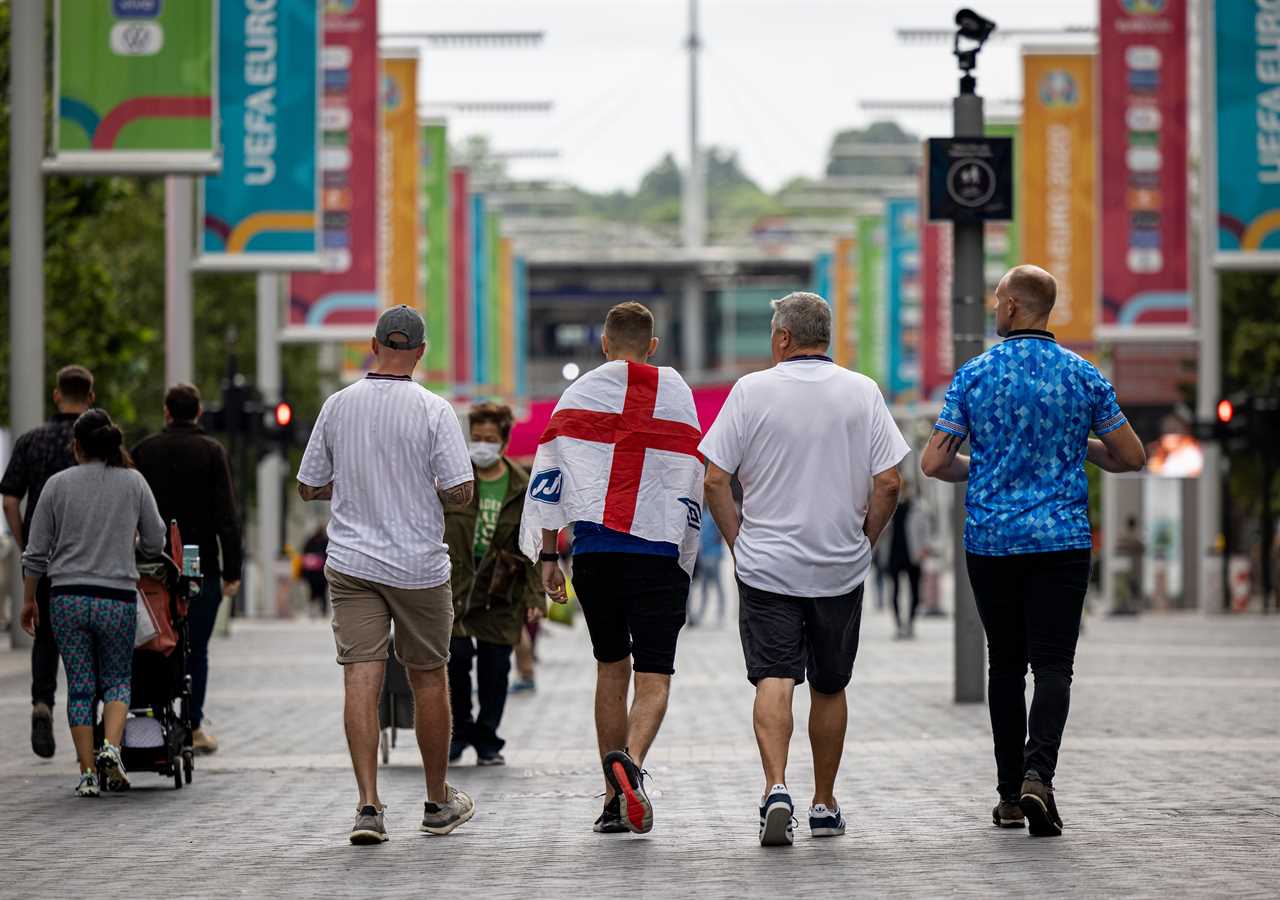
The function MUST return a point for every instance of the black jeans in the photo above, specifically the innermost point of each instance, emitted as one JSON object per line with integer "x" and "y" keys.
{"x": 1030, "y": 606}
{"x": 493, "y": 666}
{"x": 44, "y": 652}
{"x": 201, "y": 618}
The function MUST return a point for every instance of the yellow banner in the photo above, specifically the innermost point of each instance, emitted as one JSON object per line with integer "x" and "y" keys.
{"x": 842, "y": 282}
{"x": 1058, "y": 173}
{"x": 400, "y": 221}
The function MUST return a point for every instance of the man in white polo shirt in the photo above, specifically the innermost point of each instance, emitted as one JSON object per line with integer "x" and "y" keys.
{"x": 389, "y": 454}
{"x": 817, "y": 453}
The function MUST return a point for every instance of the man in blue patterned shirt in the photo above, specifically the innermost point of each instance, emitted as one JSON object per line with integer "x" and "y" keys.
{"x": 1027, "y": 407}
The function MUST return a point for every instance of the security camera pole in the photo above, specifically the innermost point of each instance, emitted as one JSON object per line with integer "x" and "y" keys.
{"x": 968, "y": 326}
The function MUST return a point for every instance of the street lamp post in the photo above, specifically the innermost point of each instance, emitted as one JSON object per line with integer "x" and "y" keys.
{"x": 968, "y": 290}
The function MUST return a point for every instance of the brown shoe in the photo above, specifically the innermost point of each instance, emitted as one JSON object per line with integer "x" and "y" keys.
{"x": 1040, "y": 809}
{"x": 202, "y": 742}
{"x": 1008, "y": 815}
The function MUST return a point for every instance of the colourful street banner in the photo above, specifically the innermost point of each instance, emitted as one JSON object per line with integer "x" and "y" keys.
{"x": 820, "y": 278}
{"x": 872, "y": 315}
{"x": 345, "y": 295}
{"x": 902, "y": 226}
{"x": 401, "y": 222}
{"x": 506, "y": 318}
{"x": 1248, "y": 131}
{"x": 480, "y": 272}
{"x": 520, "y": 291}
{"x": 842, "y": 289}
{"x": 136, "y": 82}
{"x": 493, "y": 310}
{"x": 937, "y": 362}
{"x": 1142, "y": 60}
{"x": 433, "y": 174}
{"x": 460, "y": 277}
{"x": 1057, "y": 167}
{"x": 263, "y": 211}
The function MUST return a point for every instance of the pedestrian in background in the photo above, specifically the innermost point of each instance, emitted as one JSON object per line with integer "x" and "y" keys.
{"x": 1027, "y": 407}
{"x": 908, "y": 545}
{"x": 191, "y": 480}
{"x": 817, "y": 453}
{"x": 82, "y": 540}
{"x": 706, "y": 572}
{"x": 37, "y": 456}
{"x": 496, "y": 590}
{"x": 390, "y": 456}
{"x": 315, "y": 552}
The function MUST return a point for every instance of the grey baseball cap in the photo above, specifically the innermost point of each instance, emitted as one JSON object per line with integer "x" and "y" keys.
{"x": 401, "y": 320}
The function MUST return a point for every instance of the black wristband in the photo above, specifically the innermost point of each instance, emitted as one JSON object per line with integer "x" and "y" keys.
{"x": 549, "y": 557}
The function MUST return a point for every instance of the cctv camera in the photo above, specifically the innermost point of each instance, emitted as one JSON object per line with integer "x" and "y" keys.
{"x": 974, "y": 26}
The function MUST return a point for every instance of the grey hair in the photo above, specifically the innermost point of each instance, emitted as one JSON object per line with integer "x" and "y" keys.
{"x": 807, "y": 316}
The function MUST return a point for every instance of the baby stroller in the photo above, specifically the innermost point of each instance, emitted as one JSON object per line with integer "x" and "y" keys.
{"x": 157, "y": 733}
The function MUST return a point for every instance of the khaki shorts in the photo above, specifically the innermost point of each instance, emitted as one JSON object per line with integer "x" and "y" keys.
{"x": 364, "y": 610}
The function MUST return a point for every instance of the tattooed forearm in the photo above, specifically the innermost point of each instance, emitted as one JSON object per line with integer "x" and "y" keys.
{"x": 458, "y": 495}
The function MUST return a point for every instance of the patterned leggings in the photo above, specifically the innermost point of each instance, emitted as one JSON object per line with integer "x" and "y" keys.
{"x": 95, "y": 638}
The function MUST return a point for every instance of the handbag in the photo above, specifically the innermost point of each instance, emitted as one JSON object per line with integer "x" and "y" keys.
{"x": 145, "y": 627}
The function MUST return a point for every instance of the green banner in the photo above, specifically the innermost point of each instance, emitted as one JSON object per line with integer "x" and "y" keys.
{"x": 434, "y": 179}
{"x": 493, "y": 259}
{"x": 136, "y": 84}
{"x": 873, "y": 319}
{"x": 1001, "y": 238}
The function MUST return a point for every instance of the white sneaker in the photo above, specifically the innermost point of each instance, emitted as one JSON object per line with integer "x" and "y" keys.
{"x": 777, "y": 818}
{"x": 112, "y": 768}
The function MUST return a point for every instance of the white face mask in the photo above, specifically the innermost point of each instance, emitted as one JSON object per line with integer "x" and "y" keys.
{"x": 485, "y": 453}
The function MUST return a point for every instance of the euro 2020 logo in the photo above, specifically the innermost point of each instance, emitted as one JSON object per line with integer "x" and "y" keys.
{"x": 1143, "y": 7}
{"x": 1058, "y": 89}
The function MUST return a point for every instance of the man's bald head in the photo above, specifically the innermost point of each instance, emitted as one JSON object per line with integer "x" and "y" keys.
{"x": 1034, "y": 288}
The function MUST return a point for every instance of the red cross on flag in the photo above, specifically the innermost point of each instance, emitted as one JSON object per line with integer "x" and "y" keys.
{"x": 621, "y": 450}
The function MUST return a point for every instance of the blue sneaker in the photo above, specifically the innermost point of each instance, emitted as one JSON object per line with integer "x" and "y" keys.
{"x": 825, "y": 822}
{"x": 777, "y": 818}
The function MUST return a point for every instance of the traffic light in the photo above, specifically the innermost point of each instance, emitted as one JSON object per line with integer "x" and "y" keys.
{"x": 280, "y": 429}
{"x": 284, "y": 414}
{"x": 1226, "y": 410}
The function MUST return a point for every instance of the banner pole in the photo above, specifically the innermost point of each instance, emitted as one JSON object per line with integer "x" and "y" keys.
{"x": 178, "y": 244}
{"x": 1209, "y": 582}
{"x": 271, "y": 468}
{"x": 26, "y": 243}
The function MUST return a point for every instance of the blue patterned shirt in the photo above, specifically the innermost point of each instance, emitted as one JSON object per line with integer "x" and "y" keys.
{"x": 1027, "y": 407}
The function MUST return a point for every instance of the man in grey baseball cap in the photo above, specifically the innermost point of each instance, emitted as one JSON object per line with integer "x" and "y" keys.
{"x": 400, "y": 328}
{"x": 390, "y": 455}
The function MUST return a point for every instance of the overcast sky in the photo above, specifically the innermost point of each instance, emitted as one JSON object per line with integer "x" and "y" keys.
{"x": 779, "y": 77}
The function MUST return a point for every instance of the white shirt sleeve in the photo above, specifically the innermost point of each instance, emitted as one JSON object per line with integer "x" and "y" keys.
{"x": 723, "y": 444}
{"x": 316, "y": 469}
{"x": 888, "y": 446}
{"x": 450, "y": 458}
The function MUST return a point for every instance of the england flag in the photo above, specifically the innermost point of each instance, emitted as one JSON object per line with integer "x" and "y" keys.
{"x": 621, "y": 450}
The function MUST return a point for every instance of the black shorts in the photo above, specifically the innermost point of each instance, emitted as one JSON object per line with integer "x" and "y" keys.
{"x": 634, "y": 605}
{"x": 791, "y": 637}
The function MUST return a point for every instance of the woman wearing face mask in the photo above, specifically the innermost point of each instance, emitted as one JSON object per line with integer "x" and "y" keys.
{"x": 495, "y": 588}
{"x": 82, "y": 537}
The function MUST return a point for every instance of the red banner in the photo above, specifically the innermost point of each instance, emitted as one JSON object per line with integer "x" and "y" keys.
{"x": 1143, "y": 65}
{"x": 936, "y": 360}
{"x": 346, "y": 292}
{"x": 460, "y": 275}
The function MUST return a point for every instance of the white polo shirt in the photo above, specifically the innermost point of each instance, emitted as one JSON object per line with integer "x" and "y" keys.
{"x": 388, "y": 445}
{"x": 805, "y": 438}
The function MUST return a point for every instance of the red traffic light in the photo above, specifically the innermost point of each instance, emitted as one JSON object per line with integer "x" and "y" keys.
{"x": 1226, "y": 409}
{"x": 284, "y": 414}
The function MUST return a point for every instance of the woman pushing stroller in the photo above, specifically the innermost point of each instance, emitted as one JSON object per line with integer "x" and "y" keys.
{"x": 82, "y": 537}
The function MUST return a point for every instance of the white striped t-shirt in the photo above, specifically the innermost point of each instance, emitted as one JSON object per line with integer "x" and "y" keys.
{"x": 388, "y": 445}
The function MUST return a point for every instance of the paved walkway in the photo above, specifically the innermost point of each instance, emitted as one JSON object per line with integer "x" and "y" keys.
{"x": 1169, "y": 782}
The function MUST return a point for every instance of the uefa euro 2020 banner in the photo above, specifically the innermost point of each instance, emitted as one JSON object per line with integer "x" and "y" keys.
{"x": 873, "y": 319}
{"x": 136, "y": 86}
{"x": 1058, "y": 169}
{"x": 342, "y": 300}
{"x": 1143, "y": 156}
{"x": 902, "y": 231}
{"x": 434, "y": 174}
{"x": 1247, "y": 74}
{"x": 263, "y": 211}
{"x": 401, "y": 228}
